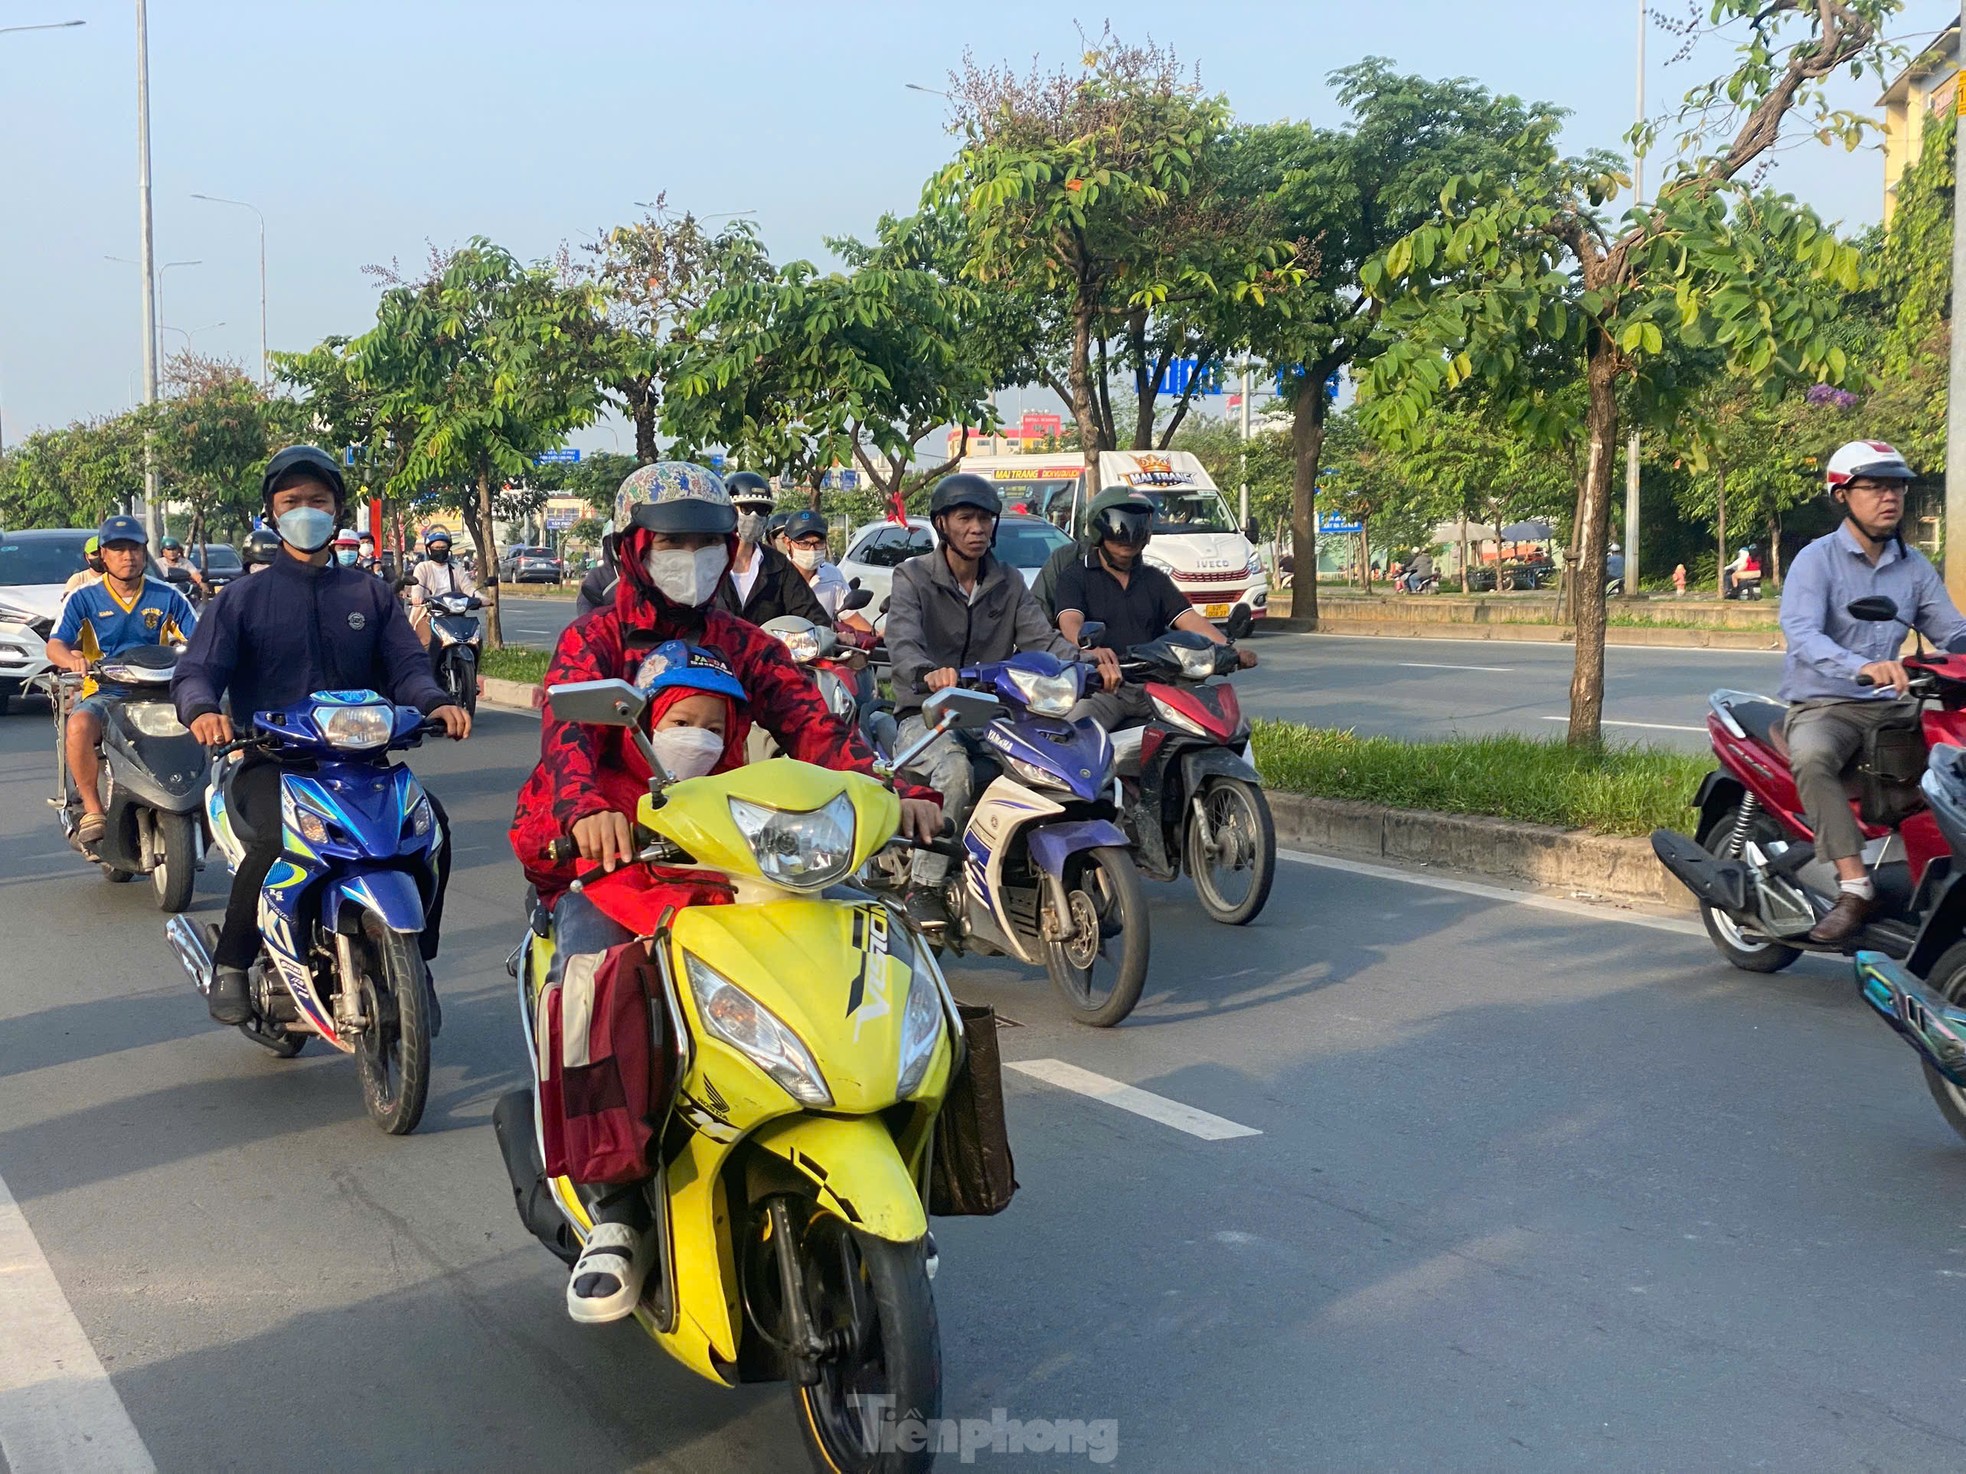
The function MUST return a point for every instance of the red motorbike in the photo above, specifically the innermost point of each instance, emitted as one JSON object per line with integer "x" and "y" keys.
{"x": 1752, "y": 860}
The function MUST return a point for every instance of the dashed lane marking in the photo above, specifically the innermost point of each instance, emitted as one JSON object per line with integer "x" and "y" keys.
{"x": 1130, "y": 1098}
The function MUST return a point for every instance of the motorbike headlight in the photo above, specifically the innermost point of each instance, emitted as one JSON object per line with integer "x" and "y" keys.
{"x": 1048, "y": 696}
{"x": 154, "y": 719}
{"x": 802, "y": 645}
{"x": 754, "y": 1031}
{"x": 804, "y": 850}
{"x": 355, "y": 727}
{"x": 921, "y": 1026}
{"x": 1196, "y": 665}
{"x": 1032, "y": 774}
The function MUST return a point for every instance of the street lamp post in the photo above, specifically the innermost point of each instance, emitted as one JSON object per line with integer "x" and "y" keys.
{"x": 1631, "y": 444}
{"x": 50, "y": 25}
{"x": 265, "y": 363}
{"x": 152, "y": 512}
{"x": 1955, "y": 505}
{"x": 161, "y": 273}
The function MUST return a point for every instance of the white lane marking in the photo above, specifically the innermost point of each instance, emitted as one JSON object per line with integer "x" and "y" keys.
{"x": 1585, "y": 909}
{"x": 1128, "y": 1098}
{"x": 1498, "y": 670}
{"x": 1652, "y": 726}
{"x": 59, "y": 1412}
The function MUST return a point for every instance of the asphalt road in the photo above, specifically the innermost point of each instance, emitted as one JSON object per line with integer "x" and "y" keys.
{"x": 1535, "y": 1188}
{"x": 1433, "y": 688}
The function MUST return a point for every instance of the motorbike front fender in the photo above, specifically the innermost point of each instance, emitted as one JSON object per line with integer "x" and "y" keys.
{"x": 391, "y": 894}
{"x": 1053, "y": 844}
{"x": 855, "y": 1168}
{"x": 1215, "y": 762}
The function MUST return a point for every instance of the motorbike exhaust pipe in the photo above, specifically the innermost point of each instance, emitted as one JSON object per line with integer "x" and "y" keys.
{"x": 188, "y": 942}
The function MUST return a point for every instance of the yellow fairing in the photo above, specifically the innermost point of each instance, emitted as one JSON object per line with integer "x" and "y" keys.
{"x": 857, "y": 1171}
{"x": 696, "y": 812}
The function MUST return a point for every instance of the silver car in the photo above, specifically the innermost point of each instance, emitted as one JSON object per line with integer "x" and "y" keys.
{"x": 34, "y": 567}
{"x": 874, "y": 551}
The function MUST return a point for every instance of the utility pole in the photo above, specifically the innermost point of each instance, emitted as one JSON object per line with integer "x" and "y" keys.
{"x": 1245, "y": 438}
{"x": 1631, "y": 444}
{"x": 1956, "y": 378}
{"x": 153, "y": 511}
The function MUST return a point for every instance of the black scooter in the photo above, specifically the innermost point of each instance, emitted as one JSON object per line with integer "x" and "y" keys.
{"x": 153, "y": 775}
{"x": 456, "y": 639}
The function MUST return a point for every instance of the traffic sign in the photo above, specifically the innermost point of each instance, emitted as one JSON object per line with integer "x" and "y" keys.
{"x": 567, "y": 455}
{"x": 1337, "y": 522}
{"x": 561, "y": 521}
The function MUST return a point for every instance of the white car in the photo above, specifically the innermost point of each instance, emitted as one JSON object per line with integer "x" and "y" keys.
{"x": 872, "y": 553}
{"x": 34, "y": 566}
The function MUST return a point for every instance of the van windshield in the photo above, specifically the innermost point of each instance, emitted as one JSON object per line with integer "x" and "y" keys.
{"x": 1188, "y": 509}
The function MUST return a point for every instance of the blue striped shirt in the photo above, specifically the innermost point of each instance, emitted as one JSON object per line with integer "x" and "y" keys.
{"x": 1826, "y": 647}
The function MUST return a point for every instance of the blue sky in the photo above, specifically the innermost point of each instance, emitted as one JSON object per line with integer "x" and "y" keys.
{"x": 365, "y": 131}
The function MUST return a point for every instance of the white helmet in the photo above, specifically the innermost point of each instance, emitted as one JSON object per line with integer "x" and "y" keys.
{"x": 1865, "y": 458}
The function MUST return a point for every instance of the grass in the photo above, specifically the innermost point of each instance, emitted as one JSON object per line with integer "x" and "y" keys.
{"x": 515, "y": 663}
{"x": 1616, "y": 790}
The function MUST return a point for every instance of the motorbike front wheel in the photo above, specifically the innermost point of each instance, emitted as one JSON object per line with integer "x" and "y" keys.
{"x": 460, "y": 678}
{"x": 1233, "y": 877}
{"x": 877, "y": 1398}
{"x": 1100, "y": 966}
{"x": 1948, "y": 980}
{"x": 394, "y": 1051}
{"x": 177, "y": 862}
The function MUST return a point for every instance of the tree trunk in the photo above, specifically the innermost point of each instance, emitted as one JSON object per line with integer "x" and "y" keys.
{"x": 484, "y": 532}
{"x": 1720, "y": 533}
{"x": 1306, "y": 449}
{"x": 645, "y": 448}
{"x": 1567, "y": 593}
{"x": 1601, "y": 424}
{"x": 1774, "y": 550}
{"x": 1464, "y": 553}
{"x": 1084, "y": 413}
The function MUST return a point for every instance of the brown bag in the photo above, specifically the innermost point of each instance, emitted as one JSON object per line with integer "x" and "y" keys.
{"x": 972, "y": 1172}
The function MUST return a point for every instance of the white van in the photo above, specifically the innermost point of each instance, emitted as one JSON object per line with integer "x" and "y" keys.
{"x": 1196, "y": 540}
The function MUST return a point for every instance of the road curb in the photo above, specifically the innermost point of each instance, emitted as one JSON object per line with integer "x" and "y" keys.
{"x": 513, "y": 695}
{"x": 1562, "y": 861}
{"x": 1553, "y": 634}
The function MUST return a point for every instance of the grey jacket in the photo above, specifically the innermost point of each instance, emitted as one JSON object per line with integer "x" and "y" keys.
{"x": 931, "y": 623}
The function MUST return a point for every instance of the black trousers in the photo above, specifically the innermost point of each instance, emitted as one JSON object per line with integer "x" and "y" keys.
{"x": 256, "y": 799}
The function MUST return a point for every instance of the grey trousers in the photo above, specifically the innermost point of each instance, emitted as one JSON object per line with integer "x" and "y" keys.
{"x": 945, "y": 768}
{"x": 1824, "y": 738}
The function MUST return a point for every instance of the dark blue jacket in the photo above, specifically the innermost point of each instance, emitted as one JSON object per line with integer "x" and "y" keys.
{"x": 273, "y": 639}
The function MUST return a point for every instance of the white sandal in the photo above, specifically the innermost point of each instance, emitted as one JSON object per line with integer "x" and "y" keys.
{"x": 614, "y": 1253}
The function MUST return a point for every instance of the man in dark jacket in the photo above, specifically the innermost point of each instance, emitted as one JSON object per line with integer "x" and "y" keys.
{"x": 952, "y": 607}
{"x": 308, "y": 625}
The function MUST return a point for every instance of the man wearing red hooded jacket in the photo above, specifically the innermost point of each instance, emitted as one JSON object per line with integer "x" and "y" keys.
{"x": 676, "y": 534}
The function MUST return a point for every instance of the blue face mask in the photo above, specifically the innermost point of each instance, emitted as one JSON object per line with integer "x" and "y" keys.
{"x": 305, "y": 529}
{"x": 345, "y": 557}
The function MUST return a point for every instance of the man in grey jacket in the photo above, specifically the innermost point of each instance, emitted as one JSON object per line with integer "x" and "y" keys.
{"x": 952, "y": 607}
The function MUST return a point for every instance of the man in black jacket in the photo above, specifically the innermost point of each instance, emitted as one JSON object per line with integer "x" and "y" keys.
{"x": 308, "y": 625}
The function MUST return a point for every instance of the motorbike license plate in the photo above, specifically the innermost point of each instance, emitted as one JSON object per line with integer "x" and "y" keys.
{"x": 1215, "y": 611}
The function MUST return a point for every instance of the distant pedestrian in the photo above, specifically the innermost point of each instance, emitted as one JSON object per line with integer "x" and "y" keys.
{"x": 1679, "y": 581}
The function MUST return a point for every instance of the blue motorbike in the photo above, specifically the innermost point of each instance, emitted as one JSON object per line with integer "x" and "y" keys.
{"x": 343, "y": 908}
{"x": 1044, "y": 872}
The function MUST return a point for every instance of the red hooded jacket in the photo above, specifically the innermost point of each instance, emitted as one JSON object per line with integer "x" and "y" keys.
{"x": 588, "y": 769}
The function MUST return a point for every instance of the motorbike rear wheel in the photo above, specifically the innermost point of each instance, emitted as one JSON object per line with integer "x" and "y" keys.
{"x": 872, "y": 1298}
{"x": 394, "y": 1051}
{"x": 1245, "y": 851}
{"x": 1749, "y": 951}
{"x": 1109, "y": 938}
{"x": 1948, "y": 980}
{"x": 177, "y": 863}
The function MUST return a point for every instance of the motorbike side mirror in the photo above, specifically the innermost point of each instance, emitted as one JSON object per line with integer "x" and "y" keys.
{"x": 1091, "y": 633}
{"x": 965, "y": 711}
{"x": 857, "y": 598}
{"x": 1249, "y": 532}
{"x": 854, "y": 582}
{"x": 597, "y": 703}
{"x": 885, "y": 603}
{"x": 1872, "y": 609}
{"x": 1241, "y": 622}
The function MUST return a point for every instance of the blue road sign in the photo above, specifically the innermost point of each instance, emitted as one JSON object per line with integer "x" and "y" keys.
{"x": 565, "y": 456}
{"x": 1337, "y": 522}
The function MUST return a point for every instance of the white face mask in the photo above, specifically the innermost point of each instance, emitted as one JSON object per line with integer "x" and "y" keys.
{"x": 684, "y": 577}
{"x": 750, "y": 528}
{"x": 807, "y": 558}
{"x": 687, "y": 752}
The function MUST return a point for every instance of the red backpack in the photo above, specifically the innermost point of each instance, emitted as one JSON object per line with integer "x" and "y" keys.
{"x": 606, "y": 1072}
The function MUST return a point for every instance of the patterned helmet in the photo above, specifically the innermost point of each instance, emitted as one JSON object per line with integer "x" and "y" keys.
{"x": 675, "y": 496}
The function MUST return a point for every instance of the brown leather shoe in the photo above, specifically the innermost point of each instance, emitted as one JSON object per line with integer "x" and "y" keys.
{"x": 1845, "y": 918}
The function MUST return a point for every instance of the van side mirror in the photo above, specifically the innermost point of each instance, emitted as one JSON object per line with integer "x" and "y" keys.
{"x": 1241, "y": 622}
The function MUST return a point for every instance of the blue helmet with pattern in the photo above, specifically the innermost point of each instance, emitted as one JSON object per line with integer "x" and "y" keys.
{"x": 679, "y": 663}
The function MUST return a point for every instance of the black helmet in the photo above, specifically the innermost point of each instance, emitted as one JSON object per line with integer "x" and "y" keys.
{"x": 1129, "y": 523}
{"x": 964, "y": 489}
{"x": 303, "y": 463}
{"x": 775, "y": 524}
{"x": 675, "y": 497}
{"x": 806, "y": 523}
{"x": 748, "y": 486}
{"x": 261, "y": 544}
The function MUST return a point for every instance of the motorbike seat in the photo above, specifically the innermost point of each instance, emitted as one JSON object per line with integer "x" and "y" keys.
{"x": 1762, "y": 721}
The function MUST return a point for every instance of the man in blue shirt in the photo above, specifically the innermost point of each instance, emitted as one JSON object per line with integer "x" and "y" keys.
{"x": 123, "y": 609}
{"x": 1831, "y": 714}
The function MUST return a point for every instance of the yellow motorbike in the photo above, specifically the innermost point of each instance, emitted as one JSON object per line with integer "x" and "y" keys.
{"x": 815, "y": 1038}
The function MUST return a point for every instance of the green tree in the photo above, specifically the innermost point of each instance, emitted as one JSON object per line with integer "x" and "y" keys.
{"x": 1534, "y": 266}
{"x": 74, "y": 476}
{"x": 212, "y": 429}
{"x": 486, "y": 362}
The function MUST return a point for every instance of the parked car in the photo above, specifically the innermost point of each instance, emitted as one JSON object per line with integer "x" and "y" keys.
{"x": 530, "y": 565}
{"x": 1527, "y": 573}
{"x": 33, "y": 568}
{"x": 219, "y": 562}
{"x": 874, "y": 551}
